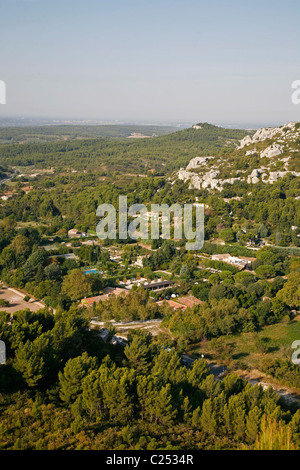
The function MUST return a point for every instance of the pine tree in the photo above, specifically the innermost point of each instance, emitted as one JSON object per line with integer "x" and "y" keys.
{"x": 168, "y": 368}
{"x": 198, "y": 372}
{"x": 92, "y": 395}
{"x": 274, "y": 435}
{"x": 119, "y": 394}
{"x": 253, "y": 424}
{"x": 31, "y": 358}
{"x": 236, "y": 406}
{"x": 295, "y": 428}
{"x": 186, "y": 408}
{"x": 146, "y": 392}
{"x": 165, "y": 412}
{"x": 73, "y": 374}
{"x": 196, "y": 418}
{"x": 137, "y": 353}
{"x": 208, "y": 418}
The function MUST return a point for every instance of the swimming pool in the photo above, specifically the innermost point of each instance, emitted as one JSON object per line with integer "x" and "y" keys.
{"x": 95, "y": 271}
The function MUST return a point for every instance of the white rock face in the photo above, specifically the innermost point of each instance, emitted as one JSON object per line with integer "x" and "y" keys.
{"x": 196, "y": 127}
{"x": 250, "y": 152}
{"x": 245, "y": 141}
{"x": 267, "y": 133}
{"x": 272, "y": 151}
{"x": 259, "y": 175}
{"x": 197, "y": 162}
{"x": 254, "y": 176}
{"x": 285, "y": 135}
{"x": 274, "y": 175}
{"x": 185, "y": 175}
{"x": 209, "y": 179}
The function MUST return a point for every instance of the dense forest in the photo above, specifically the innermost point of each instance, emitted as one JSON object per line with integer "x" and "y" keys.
{"x": 72, "y": 199}
{"x": 163, "y": 153}
{"x": 63, "y": 386}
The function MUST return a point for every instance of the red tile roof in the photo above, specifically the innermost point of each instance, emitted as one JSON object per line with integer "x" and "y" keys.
{"x": 173, "y": 304}
{"x": 189, "y": 301}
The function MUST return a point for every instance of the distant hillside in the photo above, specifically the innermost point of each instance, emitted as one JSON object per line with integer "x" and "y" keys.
{"x": 53, "y": 133}
{"x": 205, "y": 134}
{"x": 161, "y": 154}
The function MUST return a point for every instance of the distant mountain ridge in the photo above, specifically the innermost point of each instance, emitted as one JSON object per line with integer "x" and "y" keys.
{"x": 63, "y": 132}
{"x": 71, "y": 147}
{"x": 206, "y": 155}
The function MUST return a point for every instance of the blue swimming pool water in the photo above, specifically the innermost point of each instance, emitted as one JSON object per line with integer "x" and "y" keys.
{"x": 89, "y": 271}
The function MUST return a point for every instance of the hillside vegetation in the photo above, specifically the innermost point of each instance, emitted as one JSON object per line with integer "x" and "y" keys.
{"x": 162, "y": 153}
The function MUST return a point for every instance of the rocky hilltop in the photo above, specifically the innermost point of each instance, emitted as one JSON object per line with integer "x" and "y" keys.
{"x": 267, "y": 155}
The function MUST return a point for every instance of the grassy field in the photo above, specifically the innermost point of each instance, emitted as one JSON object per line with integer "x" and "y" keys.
{"x": 246, "y": 350}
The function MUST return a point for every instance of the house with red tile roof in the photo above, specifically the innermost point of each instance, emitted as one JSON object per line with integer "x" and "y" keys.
{"x": 108, "y": 292}
{"x": 189, "y": 301}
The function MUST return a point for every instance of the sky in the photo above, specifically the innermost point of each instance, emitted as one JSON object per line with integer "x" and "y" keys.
{"x": 228, "y": 62}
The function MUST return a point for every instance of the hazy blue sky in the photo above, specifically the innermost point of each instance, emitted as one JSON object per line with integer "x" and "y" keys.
{"x": 221, "y": 61}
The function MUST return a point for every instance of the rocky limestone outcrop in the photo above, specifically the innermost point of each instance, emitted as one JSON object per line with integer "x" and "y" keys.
{"x": 206, "y": 180}
{"x": 272, "y": 151}
{"x": 254, "y": 176}
{"x": 197, "y": 162}
{"x": 250, "y": 152}
{"x": 207, "y": 177}
{"x": 185, "y": 175}
{"x": 259, "y": 174}
{"x": 274, "y": 175}
{"x": 210, "y": 180}
{"x": 267, "y": 133}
